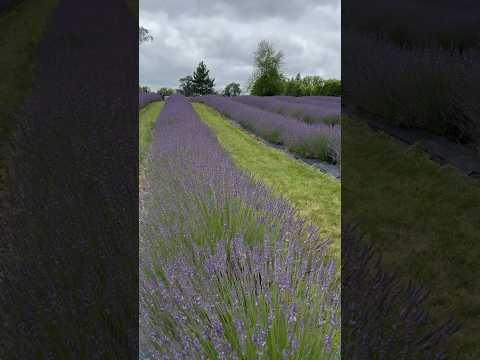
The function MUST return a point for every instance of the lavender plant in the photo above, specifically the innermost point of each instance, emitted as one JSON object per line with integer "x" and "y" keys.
{"x": 146, "y": 98}
{"x": 228, "y": 271}
{"x": 308, "y": 112}
{"x": 318, "y": 141}
{"x": 383, "y": 317}
{"x": 431, "y": 88}
{"x": 327, "y": 101}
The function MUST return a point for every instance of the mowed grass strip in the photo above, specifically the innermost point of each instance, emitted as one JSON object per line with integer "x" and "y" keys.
{"x": 424, "y": 218}
{"x": 148, "y": 117}
{"x": 314, "y": 194}
{"x": 22, "y": 31}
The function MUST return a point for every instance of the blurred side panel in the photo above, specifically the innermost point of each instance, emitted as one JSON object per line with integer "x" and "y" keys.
{"x": 410, "y": 186}
{"x": 69, "y": 180}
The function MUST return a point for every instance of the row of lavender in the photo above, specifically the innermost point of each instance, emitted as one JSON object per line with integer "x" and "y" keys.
{"x": 228, "y": 271}
{"x": 220, "y": 281}
{"x": 318, "y": 141}
{"x": 146, "y": 98}
{"x": 313, "y": 110}
{"x": 313, "y": 100}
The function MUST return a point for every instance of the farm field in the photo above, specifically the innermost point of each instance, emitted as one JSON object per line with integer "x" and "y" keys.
{"x": 318, "y": 141}
{"x": 320, "y": 110}
{"x": 207, "y": 212}
{"x": 314, "y": 194}
{"x": 436, "y": 206}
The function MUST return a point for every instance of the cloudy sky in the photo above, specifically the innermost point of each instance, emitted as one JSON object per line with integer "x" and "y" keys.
{"x": 225, "y": 33}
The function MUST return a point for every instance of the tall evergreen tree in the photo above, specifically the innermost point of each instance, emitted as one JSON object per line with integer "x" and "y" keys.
{"x": 201, "y": 83}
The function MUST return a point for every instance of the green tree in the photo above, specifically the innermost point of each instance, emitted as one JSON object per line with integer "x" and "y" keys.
{"x": 166, "y": 91}
{"x": 267, "y": 78}
{"x": 312, "y": 85}
{"x": 332, "y": 87}
{"x": 293, "y": 86}
{"x": 232, "y": 89}
{"x": 202, "y": 83}
{"x": 186, "y": 83}
{"x": 316, "y": 85}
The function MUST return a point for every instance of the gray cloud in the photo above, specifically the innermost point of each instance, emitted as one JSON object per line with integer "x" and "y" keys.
{"x": 225, "y": 34}
{"x": 245, "y": 10}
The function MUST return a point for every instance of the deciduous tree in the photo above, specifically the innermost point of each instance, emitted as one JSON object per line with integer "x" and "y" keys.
{"x": 232, "y": 89}
{"x": 267, "y": 79}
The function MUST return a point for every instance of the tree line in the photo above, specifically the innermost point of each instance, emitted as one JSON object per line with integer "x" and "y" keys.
{"x": 267, "y": 79}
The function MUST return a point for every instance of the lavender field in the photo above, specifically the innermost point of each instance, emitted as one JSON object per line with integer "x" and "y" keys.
{"x": 333, "y": 102}
{"x": 228, "y": 269}
{"x": 313, "y": 110}
{"x": 146, "y": 98}
{"x": 318, "y": 141}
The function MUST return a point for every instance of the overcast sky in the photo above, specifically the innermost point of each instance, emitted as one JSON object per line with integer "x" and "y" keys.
{"x": 225, "y": 33}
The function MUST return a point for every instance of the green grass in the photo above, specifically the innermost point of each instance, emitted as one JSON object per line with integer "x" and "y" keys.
{"x": 314, "y": 194}
{"x": 148, "y": 117}
{"x": 425, "y": 220}
{"x": 22, "y": 30}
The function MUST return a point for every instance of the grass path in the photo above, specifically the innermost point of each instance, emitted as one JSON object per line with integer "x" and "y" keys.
{"x": 424, "y": 218}
{"x": 148, "y": 117}
{"x": 314, "y": 194}
{"x": 22, "y": 31}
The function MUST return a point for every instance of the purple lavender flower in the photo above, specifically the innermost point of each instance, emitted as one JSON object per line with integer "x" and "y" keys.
{"x": 383, "y": 315}
{"x": 146, "y": 98}
{"x": 319, "y": 141}
{"x": 224, "y": 263}
{"x": 310, "y": 112}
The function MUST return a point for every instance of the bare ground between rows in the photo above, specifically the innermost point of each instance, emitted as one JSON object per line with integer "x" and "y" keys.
{"x": 438, "y": 148}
